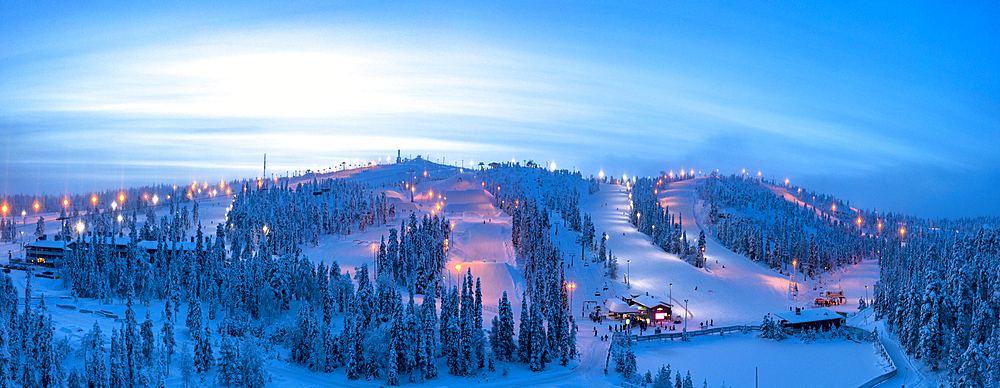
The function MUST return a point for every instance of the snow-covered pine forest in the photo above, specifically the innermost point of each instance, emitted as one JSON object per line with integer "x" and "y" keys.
{"x": 225, "y": 302}
{"x": 941, "y": 294}
{"x": 746, "y": 216}
{"x": 938, "y": 289}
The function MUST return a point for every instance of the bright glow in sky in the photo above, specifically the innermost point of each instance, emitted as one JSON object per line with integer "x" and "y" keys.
{"x": 894, "y": 106}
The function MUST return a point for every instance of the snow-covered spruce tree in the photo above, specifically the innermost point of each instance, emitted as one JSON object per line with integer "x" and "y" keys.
{"x": 148, "y": 341}
{"x": 40, "y": 227}
{"x": 612, "y": 266}
{"x": 203, "y": 358}
{"x": 477, "y": 326}
{"x": 538, "y": 340}
{"x": 502, "y": 334}
{"x": 392, "y": 367}
{"x": 251, "y": 367}
{"x": 930, "y": 329}
{"x": 524, "y": 332}
{"x": 226, "y": 374}
{"x": 662, "y": 379}
{"x": 429, "y": 311}
{"x": 187, "y": 366}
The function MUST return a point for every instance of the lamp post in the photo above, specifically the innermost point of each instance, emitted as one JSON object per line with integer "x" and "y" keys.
{"x": 671, "y": 293}
{"x": 866, "y": 299}
{"x": 572, "y": 288}
{"x": 374, "y": 261}
{"x": 628, "y": 270}
{"x": 686, "y": 315}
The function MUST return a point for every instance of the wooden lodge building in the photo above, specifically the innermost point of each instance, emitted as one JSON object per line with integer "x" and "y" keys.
{"x": 47, "y": 252}
{"x": 817, "y": 319}
{"x": 643, "y": 307}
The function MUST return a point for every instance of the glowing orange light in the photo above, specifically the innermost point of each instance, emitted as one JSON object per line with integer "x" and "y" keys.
{"x": 571, "y": 285}
{"x": 37, "y": 205}
{"x": 260, "y": 183}
{"x": 880, "y": 225}
{"x": 786, "y": 181}
{"x": 795, "y": 262}
{"x": 93, "y": 199}
{"x": 859, "y": 221}
{"x": 834, "y": 207}
{"x": 65, "y": 202}
{"x": 145, "y": 196}
{"x": 902, "y": 231}
{"x": 222, "y": 185}
{"x": 5, "y": 208}
{"x": 374, "y": 247}
{"x": 458, "y": 267}
{"x": 121, "y": 198}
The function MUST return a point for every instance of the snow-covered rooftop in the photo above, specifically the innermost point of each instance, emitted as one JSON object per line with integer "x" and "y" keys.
{"x": 614, "y": 306}
{"x": 810, "y": 315}
{"x": 48, "y": 244}
{"x": 649, "y": 301}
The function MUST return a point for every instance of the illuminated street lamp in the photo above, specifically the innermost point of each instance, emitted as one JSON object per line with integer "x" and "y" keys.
{"x": 155, "y": 199}
{"x": 571, "y": 287}
{"x": 5, "y": 209}
{"x": 65, "y": 202}
{"x": 37, "y": 206}
{"x": 375, "y": 267}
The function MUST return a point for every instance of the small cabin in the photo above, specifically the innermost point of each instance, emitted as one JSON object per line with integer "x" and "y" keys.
{"x": 652, "y": 308}
{"x": 817, "y": 319}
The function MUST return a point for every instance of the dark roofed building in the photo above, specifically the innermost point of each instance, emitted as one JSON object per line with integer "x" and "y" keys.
{"x": 818, "y": 319}
{"x": 46, "y": 252}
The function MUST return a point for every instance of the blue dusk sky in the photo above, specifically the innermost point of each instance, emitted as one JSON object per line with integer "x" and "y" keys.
{"x": 892, "y": 105}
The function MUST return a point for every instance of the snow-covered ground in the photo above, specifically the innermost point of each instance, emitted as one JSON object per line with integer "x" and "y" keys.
{"x": 731, "y": 361}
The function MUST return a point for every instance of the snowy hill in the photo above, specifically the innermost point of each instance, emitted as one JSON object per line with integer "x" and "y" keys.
{"x": 479, "y": 209}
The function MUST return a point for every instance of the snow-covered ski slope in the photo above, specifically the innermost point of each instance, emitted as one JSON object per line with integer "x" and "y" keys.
{"x": 731, "y": 289}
